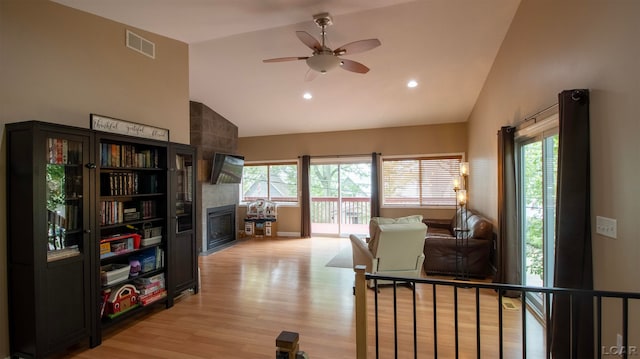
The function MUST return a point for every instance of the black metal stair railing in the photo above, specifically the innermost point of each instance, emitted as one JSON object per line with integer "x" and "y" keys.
{"x": 423, "y": 336}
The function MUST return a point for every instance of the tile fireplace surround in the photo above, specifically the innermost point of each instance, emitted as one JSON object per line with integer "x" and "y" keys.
{"x": 211, "y": 133}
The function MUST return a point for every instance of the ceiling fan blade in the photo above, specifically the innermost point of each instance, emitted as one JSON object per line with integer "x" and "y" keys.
{"x": 357, "y": 46}
{"x": 311, "y": 75}
{"x": 353, "y": 66}
{"x": 282, "y": 59}
{"x": 309, "y": 40}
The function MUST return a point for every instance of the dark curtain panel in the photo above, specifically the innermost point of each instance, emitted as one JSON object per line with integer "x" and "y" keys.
{"x": 375, "y": 189}
{"x": 508, "y": 250}
{"x": 305, "y": 228}
{"x": 573, "y": 318}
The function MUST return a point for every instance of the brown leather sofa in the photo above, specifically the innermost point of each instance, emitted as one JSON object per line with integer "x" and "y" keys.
{"x": 440, "y": 246}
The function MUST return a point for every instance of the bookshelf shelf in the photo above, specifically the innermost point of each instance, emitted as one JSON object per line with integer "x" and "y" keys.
{"x": 125, "y": 253}
{"x": 130, "y": 280}
{"x": 117, "y": 169}
{"x": 132, "y": 196}
{"x": 135, "y": 312}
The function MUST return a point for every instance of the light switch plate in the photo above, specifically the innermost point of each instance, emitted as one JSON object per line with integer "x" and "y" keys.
{"x": 607, "y": 227}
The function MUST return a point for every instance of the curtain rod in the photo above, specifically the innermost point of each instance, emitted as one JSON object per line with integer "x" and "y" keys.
{"x": 534, "y": 116}
{"x": 338, "y": 156}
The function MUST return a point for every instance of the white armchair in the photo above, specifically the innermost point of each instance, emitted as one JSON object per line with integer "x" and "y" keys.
{"x": 397, "y": 251}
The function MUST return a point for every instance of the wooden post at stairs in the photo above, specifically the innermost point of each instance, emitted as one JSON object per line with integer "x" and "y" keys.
{"x": 361, "y": 312}
{"x": 287, "y": 345}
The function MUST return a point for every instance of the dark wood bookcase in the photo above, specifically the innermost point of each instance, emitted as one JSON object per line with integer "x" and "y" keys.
{"x": 132, "y": 199}
{"x": 88, "y": 213}
{"x": 50, "y": 251}
{"x": 184, "y": 266}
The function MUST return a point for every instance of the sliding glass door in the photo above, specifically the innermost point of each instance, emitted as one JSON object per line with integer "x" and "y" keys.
{"x": 538, "y": 158}
{"x": 340, "y": 196}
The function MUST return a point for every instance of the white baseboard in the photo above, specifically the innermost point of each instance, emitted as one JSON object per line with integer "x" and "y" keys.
{"x": 288, "y": 234}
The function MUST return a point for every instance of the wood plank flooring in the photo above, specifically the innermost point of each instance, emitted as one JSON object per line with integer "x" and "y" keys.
{"x": 252, "y": 291}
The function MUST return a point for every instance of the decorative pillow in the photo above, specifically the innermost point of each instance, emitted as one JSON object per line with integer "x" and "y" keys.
{"x": 480, "y": 228}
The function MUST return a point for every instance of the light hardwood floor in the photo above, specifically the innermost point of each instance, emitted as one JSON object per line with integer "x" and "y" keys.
{"x": 252, "y": 291}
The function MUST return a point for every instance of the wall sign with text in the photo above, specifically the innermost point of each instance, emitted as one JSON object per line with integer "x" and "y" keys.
{"x": 114, "y": 125}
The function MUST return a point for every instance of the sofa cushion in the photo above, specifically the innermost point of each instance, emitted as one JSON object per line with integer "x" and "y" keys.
{"x": 438, "y": 232}
{"x": 374, "y": 231}
{"x": 479, "y": 227}
{"x": 375, "y": 221}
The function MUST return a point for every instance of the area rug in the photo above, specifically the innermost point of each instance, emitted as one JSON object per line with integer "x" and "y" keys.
{"x": 342, "y": 260}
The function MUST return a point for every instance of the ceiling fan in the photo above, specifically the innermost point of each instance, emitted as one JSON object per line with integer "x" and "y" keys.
{"x": 323, "y": 58}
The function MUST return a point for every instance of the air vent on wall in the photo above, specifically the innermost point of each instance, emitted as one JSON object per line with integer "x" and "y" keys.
{"x": 138, "y": 43}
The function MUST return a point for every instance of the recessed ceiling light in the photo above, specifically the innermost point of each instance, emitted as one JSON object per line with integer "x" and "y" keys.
{"x": 307, "y": 96}
{"x": 412, "y": 83}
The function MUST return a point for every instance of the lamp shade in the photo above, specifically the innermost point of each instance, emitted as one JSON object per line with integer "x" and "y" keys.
{"x": 456, "y": 183}
{"x": 323, "y": 62}
{"x": 462, "y": 197}
{"x": 464, "y": 168}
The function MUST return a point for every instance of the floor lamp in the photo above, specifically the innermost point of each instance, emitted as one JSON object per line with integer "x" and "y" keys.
{"x": 461, "y": 229}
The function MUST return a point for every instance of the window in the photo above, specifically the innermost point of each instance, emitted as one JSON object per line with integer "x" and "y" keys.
{"x": 276, "y": 182}
{"x": 537, "y": 169}
{"x": 419, "y": 181}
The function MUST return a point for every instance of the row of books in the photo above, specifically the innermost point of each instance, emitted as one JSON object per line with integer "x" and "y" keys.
{"x": 113, "y": 155}
{"x": 151, "y": 289}
{"x": 73, "y": 183}
{"x": 69, "y": 219}
{"x": 114, "y": 212}
{"x": 72, "y": 217}
{"x": 127, "y": 183}
{"x": 62, "y": 151}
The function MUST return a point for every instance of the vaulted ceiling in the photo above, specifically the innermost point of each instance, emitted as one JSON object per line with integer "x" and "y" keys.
{"x": 447, "y": 46}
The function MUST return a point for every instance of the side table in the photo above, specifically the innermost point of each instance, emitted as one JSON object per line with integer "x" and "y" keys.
{"x": 260, "y": 227}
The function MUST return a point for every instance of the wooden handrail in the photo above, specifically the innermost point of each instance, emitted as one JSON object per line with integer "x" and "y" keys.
{"x": 361, "y": 312}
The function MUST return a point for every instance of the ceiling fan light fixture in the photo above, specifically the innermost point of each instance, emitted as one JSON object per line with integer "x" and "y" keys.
{"x": 325, "y": 59}
{"x": 323, "y": 62}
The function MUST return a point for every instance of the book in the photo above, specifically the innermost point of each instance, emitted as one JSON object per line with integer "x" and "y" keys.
{"x": 154, "y": 289}
{"x": 146, "y": 300}
{"x": 148, "y": 280}
{"x": 65, "y": 152}
{"x": 150, "y": 289}
{"x": 105, "y": 298}
{"x": 58, "y": 151}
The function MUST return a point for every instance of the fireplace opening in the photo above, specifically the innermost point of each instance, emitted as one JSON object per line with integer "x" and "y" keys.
{"x": 221, "y": 224}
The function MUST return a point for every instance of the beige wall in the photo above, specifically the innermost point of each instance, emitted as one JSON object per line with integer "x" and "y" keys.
{"x": 58, "y": 65}
{"x": 557, "y": 45}
{"x": 411, "y": 140}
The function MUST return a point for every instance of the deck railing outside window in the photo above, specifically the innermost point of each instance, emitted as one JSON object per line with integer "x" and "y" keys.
{"x": 355, "y": 210}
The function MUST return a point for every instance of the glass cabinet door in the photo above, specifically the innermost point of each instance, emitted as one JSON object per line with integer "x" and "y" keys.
{"x": 184, "y": 260}
{"x": 64, "y": 193}
{"x": 184, "y": 192}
